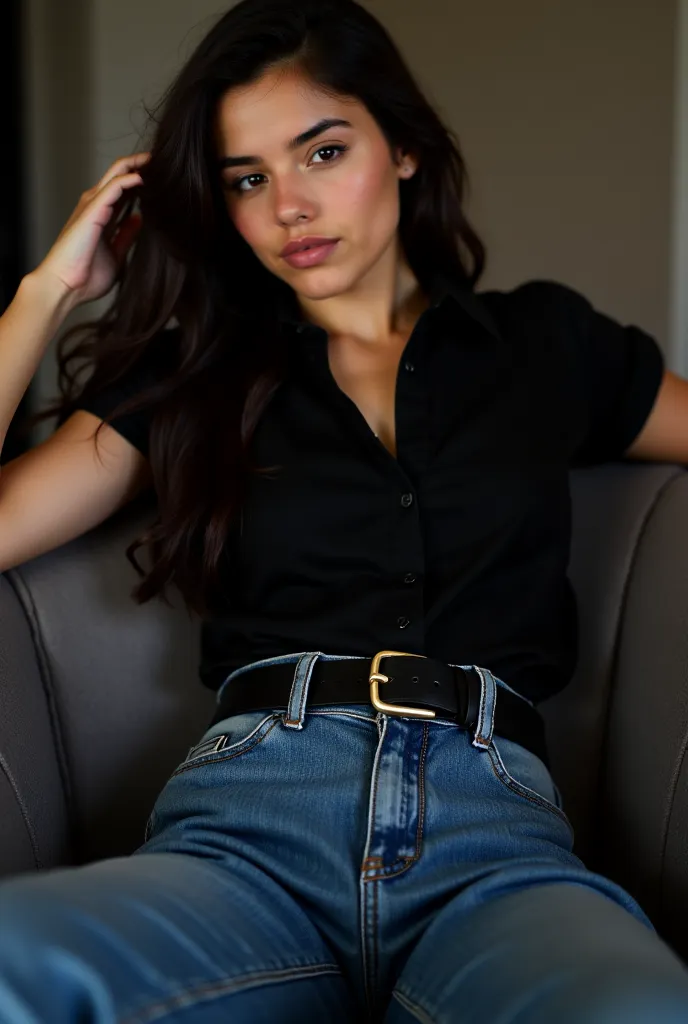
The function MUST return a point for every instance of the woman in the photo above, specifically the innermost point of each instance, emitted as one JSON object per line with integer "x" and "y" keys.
{"x": 354, "y": 454}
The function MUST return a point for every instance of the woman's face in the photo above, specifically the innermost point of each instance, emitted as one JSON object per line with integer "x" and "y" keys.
{"x": 342, "y": 183}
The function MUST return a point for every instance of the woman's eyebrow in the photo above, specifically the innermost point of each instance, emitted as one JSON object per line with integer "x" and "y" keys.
{"x": 299, "y": 140}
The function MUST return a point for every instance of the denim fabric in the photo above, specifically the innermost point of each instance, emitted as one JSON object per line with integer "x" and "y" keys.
{"x": 337, "y": 865}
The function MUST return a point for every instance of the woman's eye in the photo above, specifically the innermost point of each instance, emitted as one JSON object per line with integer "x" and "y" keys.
{"x": 331, "y": 149}
{"x": 235, "y": 186}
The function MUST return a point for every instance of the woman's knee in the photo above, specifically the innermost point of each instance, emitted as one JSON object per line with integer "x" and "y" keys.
{"x": 622, "y": 998}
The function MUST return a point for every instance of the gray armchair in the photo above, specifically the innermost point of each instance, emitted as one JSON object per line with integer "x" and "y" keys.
{"x": 100, "y": 700}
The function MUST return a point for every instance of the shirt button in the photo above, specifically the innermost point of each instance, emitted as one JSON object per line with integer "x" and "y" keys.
{"x": 409, "y": 578}
{"x": 406, "y": 500}
{"x": 409, "y": 367}
{"x": 403, "y": 622}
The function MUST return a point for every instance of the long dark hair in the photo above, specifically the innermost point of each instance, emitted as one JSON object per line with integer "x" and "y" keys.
{"x": 223, "y": 363}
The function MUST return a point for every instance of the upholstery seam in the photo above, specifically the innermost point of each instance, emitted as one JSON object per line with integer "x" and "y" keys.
{"x": 28, "y": 606}
{"x": 670, "y": 815}
{"x": 26, "y": 817}
{"x": 642, "y": 530}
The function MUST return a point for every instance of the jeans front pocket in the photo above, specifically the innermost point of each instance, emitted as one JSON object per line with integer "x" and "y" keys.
{"x": 524, "y": 774}
{"x": 232, "y": 737}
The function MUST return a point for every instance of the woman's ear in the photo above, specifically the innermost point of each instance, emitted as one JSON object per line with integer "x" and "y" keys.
{"x": 407, "y": 164}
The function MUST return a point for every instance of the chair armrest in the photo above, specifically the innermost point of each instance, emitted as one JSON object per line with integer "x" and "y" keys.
{"x": 644, "y": 813}
{"x": 35, "y": 831}
{"x": 611, "y": 505}
{"x": 117, "y": 682}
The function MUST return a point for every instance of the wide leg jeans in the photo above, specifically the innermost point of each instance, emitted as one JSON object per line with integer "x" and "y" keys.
{"x": 337, "y": 864}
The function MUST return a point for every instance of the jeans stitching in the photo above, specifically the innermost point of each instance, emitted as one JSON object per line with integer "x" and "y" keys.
{"x": 213, "y": 744}
{"x": 413, "y": 1008}
{"x": 367, "y": 954}
{"x": 210, "y": 746}
{"x": 205, "y": 759}
{"x": 305, "y": 688}
{"x": 481, "y": 710}
{"x": 373, "y": 804}
{"x": 291, "y": 722}
{"x": 369, "y": 961}
{"x": 375, "y": 950}
{"x": 218, "y": 988}
{"x": 391, "y": 870}
{"x": 509, "y": 782}
{"x": 350, "y": 714}
{"x": 479, "y": 739}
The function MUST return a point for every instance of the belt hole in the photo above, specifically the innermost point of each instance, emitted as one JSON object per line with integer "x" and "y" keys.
{"x": 414, "y": 679}
{"x": 437, "y": 682}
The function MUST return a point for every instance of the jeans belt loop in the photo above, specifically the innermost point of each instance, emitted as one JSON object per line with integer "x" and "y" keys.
{"x": 482, "y": 736}
{"x": 296, "y": 709}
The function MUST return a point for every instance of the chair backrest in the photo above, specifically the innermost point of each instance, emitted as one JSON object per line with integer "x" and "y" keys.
{"x": 611, "y": 508}
{"x": 104, "y": 699}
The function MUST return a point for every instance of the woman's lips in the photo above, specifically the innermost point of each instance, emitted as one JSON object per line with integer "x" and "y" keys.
{"x": 310, "y": 257}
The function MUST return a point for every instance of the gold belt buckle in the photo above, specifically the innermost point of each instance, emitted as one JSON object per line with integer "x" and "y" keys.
{"x": 377, "y": 677}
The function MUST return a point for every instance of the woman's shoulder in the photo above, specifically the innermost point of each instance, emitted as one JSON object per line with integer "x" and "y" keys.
{"x": 539, "y": 299}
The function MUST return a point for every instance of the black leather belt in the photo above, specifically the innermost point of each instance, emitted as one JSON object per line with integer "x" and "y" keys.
{"x": 412, "y": 686}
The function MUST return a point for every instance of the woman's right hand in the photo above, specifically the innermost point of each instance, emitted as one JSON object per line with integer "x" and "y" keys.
{"x": 87, "y": 255}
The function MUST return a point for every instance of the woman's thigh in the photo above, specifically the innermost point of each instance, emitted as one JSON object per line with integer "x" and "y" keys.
{"x": 162, "y": 937}
{"x": 560, "y": 953}
{"x": 239, "y": 905}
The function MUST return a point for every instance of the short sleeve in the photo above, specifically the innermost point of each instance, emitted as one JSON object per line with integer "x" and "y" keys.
{"x": 610, "y": 373}
{"x": 134, "y": 426}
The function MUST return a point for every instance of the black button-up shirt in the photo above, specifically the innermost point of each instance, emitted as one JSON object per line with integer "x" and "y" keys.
{"x": 457, "y": 548}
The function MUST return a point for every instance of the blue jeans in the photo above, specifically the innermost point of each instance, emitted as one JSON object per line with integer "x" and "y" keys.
{"x": 336, "y": 865}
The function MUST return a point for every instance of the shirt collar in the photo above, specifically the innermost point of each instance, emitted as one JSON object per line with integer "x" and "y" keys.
{"x": 444, "y": 292}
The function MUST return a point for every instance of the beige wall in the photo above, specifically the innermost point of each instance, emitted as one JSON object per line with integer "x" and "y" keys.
{"x": 565, "y": 115}
{"x": 564, "y": 110}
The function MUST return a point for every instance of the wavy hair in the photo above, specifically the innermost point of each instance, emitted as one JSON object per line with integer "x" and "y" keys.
{"x": 219, "y": 369}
